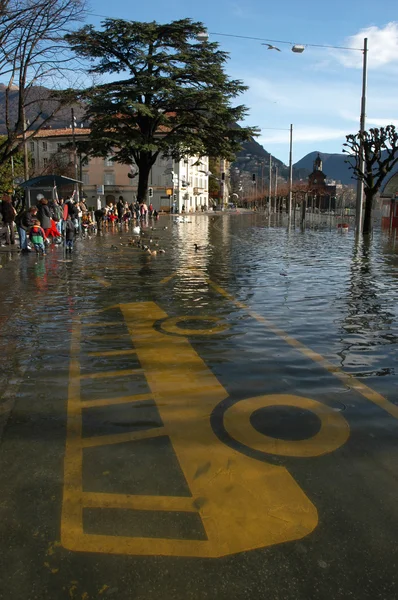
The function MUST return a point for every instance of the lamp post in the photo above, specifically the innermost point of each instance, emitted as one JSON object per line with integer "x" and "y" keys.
{"x": 359, "y": 202}
{"x": 360, "y": 186}
{"x": 270, "y": 184}
{"x": 289, "y": 201}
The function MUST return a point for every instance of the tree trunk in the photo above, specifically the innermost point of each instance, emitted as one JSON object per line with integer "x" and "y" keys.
{"x": 144, "y": 170}
{"x": 367, "y": 219}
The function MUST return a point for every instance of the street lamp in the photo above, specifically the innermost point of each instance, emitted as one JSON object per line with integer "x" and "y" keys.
{"x": 298, "y": 48}
{"x": 202, "y": 36}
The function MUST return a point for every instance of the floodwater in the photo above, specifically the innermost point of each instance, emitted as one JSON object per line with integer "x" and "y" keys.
{"x": 268, "y": 359}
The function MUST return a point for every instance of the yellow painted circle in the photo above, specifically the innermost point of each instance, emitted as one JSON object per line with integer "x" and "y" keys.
{"x": 172, "y": 325}
{"x": 333, "y": 433}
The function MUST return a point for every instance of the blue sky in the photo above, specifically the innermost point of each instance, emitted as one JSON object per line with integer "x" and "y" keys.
{"x": 318, "y": 91}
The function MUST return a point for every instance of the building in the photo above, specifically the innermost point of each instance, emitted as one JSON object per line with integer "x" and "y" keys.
{"x": 389, "y": 203}
{"x": 319, "y": 192}
{"x": 172, "y": 184}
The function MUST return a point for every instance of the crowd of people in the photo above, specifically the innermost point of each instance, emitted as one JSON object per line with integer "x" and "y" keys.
{"x": 123, "y": 213}
{"x": 62, "y": 220}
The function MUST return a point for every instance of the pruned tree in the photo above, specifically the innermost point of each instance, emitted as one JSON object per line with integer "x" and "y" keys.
{"x": 380, "y": 155}
{"x": 34, "y": 54}
{"x": 173, "y": 100}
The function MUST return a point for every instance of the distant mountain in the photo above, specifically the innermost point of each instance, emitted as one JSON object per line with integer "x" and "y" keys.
{"x": 254, "y": 153}
{"x": 39, "y": 102}
{"x": 334, "y": 167}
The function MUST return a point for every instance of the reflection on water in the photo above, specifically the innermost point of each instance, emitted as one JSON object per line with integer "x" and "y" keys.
{"x": 338, "y": 297}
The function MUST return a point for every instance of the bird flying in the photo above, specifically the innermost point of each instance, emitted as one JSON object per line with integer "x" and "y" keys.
{"x": 270, "y": 47}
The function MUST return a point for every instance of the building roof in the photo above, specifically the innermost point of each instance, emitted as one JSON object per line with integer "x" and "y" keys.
{"x": 46, "y": 133}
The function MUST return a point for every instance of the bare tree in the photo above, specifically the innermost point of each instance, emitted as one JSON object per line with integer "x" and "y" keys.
{"x": 380, "y": 153}
{"x": 33, "y": 59}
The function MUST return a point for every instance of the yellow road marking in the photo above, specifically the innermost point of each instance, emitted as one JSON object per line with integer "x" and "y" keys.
{"x": 112, "y": 353}
{"x": 72, "y": 513}
{"x": 333, "y": 433}
{"x": 243, "y": 503}
{"x": 127, "y": 501}
{"x": 346, "y": 378}
{"x": 103, "y": 374}
{"x": 119, "y": 438}
{"x": 171, "y": 325}
{"x": 113, "y": 401}
{"x": 167, "y": 279}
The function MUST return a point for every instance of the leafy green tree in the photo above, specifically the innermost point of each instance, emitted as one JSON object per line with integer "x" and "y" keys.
{"x": 380, "y": 155}
{"x": 169, "y": 96}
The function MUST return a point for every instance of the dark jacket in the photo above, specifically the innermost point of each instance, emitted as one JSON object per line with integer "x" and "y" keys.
{"x": 120, "y": 208}
{"x": 69, "y": 230}
{"x": 72, "y": 209}
{"x": 7, "y": 211}
{"x": 44, "y": 215}
{"x": 25, "y": 220}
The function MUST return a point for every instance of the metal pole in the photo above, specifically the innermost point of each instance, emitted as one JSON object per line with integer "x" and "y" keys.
{"x": 75, "y": 150}
{"x": 25, "y": 148}
{"x": 270, "y": 183}
{"x": 359, "y": 203}
{"x": 289, "y": 202}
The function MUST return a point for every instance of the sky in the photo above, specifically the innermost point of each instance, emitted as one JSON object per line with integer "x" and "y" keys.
{"x": 318, "y": 91}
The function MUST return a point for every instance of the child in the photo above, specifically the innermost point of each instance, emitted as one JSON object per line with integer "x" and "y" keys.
{"x": 37, "y": 236}
{"x": 86, "y": 224}
{"x": 69, "y": 229}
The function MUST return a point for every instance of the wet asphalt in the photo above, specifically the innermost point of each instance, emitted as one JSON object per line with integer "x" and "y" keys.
{"x": 351, "y": 552}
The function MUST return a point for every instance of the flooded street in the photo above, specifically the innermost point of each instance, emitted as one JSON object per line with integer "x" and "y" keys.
{"x": 216, "y": 423}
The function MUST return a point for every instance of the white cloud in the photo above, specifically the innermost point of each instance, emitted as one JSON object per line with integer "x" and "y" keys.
{"x": 381, "y": 122}
{"x": 382, "y": 45}
{"x": 310, "y": 133}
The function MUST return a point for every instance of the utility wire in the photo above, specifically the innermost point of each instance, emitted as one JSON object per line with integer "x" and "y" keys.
{"x": 246, "y": 37}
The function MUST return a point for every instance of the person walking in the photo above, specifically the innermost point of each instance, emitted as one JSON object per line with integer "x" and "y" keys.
{"x": 44, "y": 215}
{"x": 69, "y": 234}
{"x": 99, "y": 215}
{"x": 120, "y": 209}
{"x": 24, "y": 221}
{"x": 8, "y": 213}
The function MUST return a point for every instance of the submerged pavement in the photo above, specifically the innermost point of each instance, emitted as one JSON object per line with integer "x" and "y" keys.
{"x": 166, "y": 435}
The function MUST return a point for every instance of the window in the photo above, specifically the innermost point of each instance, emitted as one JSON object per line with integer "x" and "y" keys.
{"x": 59, "y": 147}
{"x": 86, "y": 178}
{"x": 44, "y": 146}
{"x": 45, "y": 162}
{"x": 109, "y": 162}
{"x": 33, "y": 163}
{"x": 109, "y": 179}
{"x": 32, "y": 146}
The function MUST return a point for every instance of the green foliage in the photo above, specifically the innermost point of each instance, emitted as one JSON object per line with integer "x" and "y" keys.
{"x": 214, "y": 180}
{"x": 170, "y": 95}
{"x": 6, "y": 178}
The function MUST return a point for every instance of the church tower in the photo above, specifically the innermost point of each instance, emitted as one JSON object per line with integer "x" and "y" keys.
{"x": 318, "y": 163}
